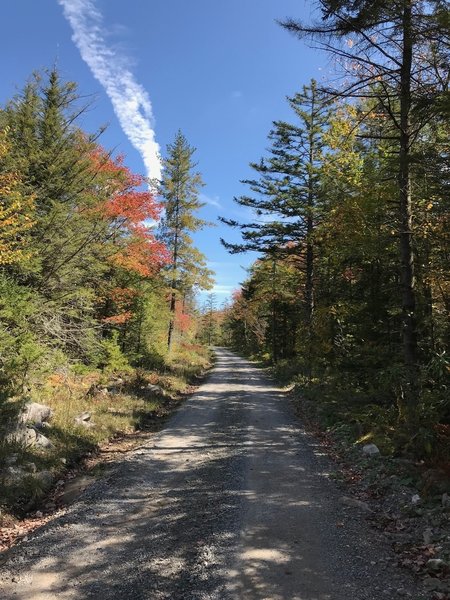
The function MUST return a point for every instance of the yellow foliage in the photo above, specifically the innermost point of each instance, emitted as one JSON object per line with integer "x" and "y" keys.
{"x": 15, "y": 211}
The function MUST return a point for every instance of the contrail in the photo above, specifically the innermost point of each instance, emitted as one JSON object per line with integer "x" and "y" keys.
{"x": 130, "y": 100}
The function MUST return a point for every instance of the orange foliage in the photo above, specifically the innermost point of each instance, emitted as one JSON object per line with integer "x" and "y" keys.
{"x": 119, "y": 319}
{"x": 128, "y": 208}
{"x": 183, "y": 321}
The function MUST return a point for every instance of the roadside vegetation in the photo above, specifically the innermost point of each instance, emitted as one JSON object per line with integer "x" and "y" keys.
{"x": 98, "y": 318}
{"x": 350, "y": 298}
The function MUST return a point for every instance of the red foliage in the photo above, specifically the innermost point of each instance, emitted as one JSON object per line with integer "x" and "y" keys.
{"x": 183, "y": 321}
{"x": 236, "y": 295}
{"x": 128, "y": 209}
{"x": 122, "y": 296}
{"x": 119, "y": 319}
{"x": 142, "y": 254}
{"x": 123, "y": 301}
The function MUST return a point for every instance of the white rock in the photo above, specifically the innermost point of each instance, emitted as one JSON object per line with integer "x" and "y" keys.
{"x": 156, "y": 389}
{"x": 84, "y": 416}
{"x": 370, "y": 450}
{"x": 416, "y": 499}
{"x": 35, "y": 413}
{"x": 24, "y": 436}
{"x": 43, "y": 442}
{"x": 15, "y": 474}
{"x": 436, "y": 564}
{"x": 84, "y": 420}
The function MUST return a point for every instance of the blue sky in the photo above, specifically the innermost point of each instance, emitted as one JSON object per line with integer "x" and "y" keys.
{"x": 219, "y": 71}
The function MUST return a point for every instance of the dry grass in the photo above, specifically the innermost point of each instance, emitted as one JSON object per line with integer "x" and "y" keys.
{"x": 117, "y": 405}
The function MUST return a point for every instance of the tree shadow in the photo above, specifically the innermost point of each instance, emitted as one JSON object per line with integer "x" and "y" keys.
{"x": 229, "y": 501}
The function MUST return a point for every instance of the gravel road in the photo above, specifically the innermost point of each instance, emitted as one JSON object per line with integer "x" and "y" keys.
{"x": 231, "y": 501}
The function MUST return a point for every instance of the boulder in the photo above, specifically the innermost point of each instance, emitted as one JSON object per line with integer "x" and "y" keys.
{"x": 156, "y": 389}
{"x": 84, "y": 416}
{"x": 370, "y": 450}
{"x": 24, "y": 436}
{"x": 43, "y": 442}
{"x": 14, "y": 475}
{"x": 28, "y": 436}
{"x": 35, "y": 413}
{"x": 436, "y": 564}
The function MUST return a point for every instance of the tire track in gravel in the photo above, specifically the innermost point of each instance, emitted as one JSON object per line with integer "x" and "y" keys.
{"x": 230, "y": 501}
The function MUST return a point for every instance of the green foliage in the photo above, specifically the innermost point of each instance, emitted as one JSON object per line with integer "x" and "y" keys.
{"x": 82, "y": 298}
{"x": 347, "y": 353}
{"x": 113, "y": 359}
{"x": 179, "y": 191}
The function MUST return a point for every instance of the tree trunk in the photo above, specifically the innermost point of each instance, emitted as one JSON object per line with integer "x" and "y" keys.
{"x": 309, "y": 287}
{"x": 172, "y": 319}
{"x": 410, "y": 393}
{"x": 274, "y": 314}
{"x": 174, "y": 279}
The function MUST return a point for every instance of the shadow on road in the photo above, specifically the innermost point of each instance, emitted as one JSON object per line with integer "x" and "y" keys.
{"x": 226, "y": 502}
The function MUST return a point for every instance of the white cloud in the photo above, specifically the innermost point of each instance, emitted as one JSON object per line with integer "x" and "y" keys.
{"x": 130, "y": 100}
{"x": 211, "y": 200}
{"x": 222, "y": 290}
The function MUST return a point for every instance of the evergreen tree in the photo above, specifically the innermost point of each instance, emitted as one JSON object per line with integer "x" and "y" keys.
{"x": 392, "y": 49}
{"x": 179, "y": 191}
{"x": 288, "y": 192}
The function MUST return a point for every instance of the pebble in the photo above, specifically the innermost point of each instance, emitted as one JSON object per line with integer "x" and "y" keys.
{"x": 435, "y": 564}
{"x": 427, "y": 536}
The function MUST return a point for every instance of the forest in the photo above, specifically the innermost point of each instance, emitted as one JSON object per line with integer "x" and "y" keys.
{"x": 292, "y": 441}
{"x": 98, "y": 276}
{"x": 348, "y": 301}
{"x": 350, "y": 298}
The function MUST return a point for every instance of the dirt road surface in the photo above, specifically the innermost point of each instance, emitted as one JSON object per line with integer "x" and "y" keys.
{"x": 230, "y": 501}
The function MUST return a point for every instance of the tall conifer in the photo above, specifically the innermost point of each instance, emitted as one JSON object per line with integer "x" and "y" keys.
{"x": 180, "y": 193}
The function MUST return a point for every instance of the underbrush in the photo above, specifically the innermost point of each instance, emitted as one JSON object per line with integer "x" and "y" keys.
{"x": 117, "y": 402}
{"x": 361, "y": 410}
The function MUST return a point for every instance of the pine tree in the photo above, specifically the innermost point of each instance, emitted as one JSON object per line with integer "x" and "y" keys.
{"x": 396, "y": 52}
{"x": 179, "y": 191}
{"x": 288, "y": 192}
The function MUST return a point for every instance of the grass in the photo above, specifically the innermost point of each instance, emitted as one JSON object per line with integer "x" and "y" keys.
{"x": 118, "y": 404}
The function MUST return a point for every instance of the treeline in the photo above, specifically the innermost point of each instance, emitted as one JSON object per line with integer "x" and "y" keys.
{"x": 88, "y": 280}
{"x": 351, "y": 294}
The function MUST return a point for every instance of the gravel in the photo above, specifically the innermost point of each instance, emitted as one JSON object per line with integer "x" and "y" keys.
{"x": 230, "y": 501}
